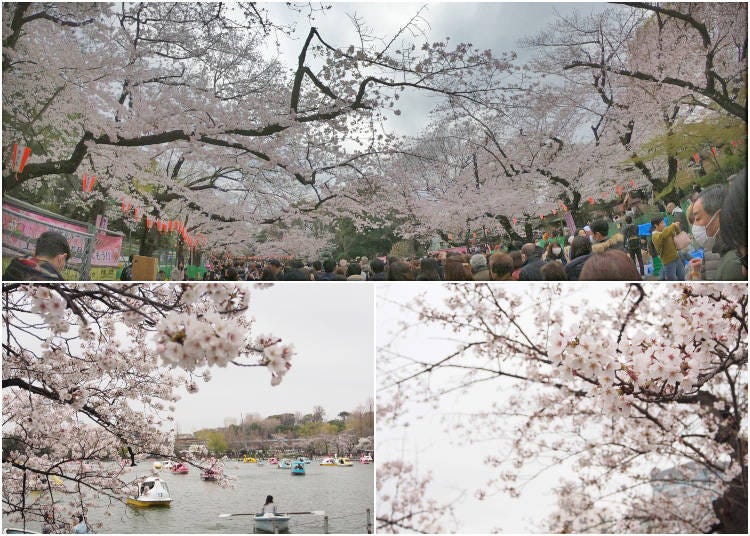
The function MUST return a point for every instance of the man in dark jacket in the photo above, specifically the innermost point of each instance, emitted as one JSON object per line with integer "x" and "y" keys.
{"x": 633, "y": 243}
{"x": 378, "y": 270}
{"x": 296, "y": 271}
{"x": 532, "y": 264}
{"x": 51, "y": 253}
{"x": 329, "y": 265}
{"x": 273, "y": 271}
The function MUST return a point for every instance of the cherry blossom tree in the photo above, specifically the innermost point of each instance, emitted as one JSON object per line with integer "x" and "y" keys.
{"x": 575, "y": 120}
{"x": 639, "y": 71}
{"x": 498, "y": 170}
{"x": 183, "y": 108}
{"x": 90, "y": 378}
{"x": 641, "y": 398}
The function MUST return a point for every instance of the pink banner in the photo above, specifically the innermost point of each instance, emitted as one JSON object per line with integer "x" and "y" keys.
{"x": 22, "y": 227}
{"x": 106, "y": 250}
{"x": 570, "y": 223}
{"x": 460, "y": 249}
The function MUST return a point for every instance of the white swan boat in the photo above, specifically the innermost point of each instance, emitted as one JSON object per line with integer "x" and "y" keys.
{"x": 153, "y": 491}
{"x": 337, "y": 462}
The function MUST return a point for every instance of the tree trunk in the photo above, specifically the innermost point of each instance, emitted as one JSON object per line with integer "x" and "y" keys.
{"x": 508, "y": 228}
{"x": 529, "y": 232}
{"x": 149, "y": 241}
{"x": 731, "y": 507}
{"x": 180, "y": 251}
{"x": 671, "y": 177}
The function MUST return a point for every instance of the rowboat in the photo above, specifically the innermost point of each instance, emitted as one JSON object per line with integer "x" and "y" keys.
{"x": 366, "y": 458}
{"x": 284, "y": 464}
{"x": 249, "y": 459}
{"x": 271, "y": 522}
{"x": 153, "y": 491}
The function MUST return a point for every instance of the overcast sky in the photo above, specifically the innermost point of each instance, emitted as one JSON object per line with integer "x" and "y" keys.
{"x": 497, "y": 26}
{"x": 331, "y": 327}
{"x": 457, "y": 468}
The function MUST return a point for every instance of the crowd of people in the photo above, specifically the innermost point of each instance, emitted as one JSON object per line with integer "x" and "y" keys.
{"x": 708, "y": 242}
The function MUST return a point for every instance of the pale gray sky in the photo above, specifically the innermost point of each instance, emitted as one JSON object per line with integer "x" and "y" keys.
{"x": 487, "y": 25}
{"x": 457, "y": 468}
{"x": 331, "y": 327}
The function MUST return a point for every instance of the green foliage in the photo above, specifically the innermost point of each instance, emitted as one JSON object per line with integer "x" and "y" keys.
{"x": 404, "y": 248}
{"x": 685, "y": 139}
{"x": 338, "y": 424}
{"x": 314, "y": 429}
{"x": 350, "y": 242}
{"x": 729, "y": 163}
{"x": 215, "y": 440}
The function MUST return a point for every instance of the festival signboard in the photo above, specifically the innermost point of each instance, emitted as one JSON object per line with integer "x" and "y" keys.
{"x": 23, "y": 223}
{"x": 22, "y": 227}
{"x": 106, "y": 250}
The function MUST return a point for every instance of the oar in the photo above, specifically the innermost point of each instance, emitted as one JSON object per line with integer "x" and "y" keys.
{"x": 313, "y": 512}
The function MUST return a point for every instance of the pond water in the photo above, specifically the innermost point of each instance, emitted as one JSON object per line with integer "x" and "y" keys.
{"x": 344, "y": 493}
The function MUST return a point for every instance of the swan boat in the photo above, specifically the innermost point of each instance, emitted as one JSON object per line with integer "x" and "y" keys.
{"x": 337, "y": 462}
{"x": 298, "y": 467}
{"x": 180, "y": 468}
{"x": 153, "y": 491}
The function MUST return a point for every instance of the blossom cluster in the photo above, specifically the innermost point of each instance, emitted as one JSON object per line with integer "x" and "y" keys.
{"x": 50, "y": 306}
{"x": 669, "y": 360}
{"x": 188, "y": 341}
{"x": 225, "y": 296}
{"x": 277, "y": 357}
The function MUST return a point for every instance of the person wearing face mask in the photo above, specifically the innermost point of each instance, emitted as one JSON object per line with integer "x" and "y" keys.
{"x": 50, "y": 254}
{"x": 720, "y": 262}
{"x": 554, "y": 252}
{"x": 733, "y": 230}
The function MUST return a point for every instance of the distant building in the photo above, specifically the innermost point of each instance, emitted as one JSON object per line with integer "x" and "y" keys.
{"x": 184, "y": 442}
{"x": 683, "y": 481}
